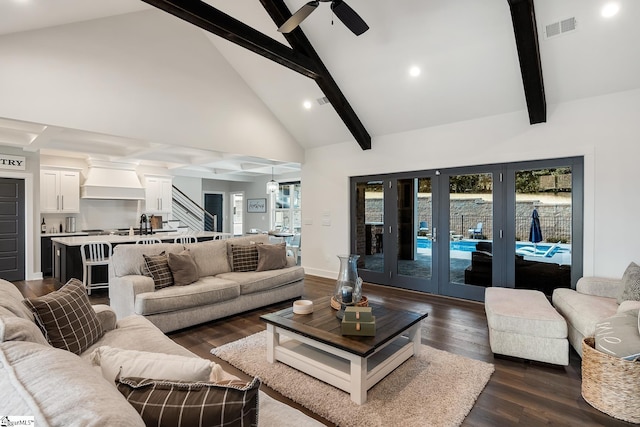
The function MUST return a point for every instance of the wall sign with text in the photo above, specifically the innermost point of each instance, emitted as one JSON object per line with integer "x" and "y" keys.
{"x": 12, "y": 162}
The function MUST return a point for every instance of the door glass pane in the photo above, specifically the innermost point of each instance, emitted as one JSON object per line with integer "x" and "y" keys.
{"x": 369, "y": 225}
{"x": 414, "y": 231}
{"x": 470, "y": 229}
{"x": 543, "y": 229}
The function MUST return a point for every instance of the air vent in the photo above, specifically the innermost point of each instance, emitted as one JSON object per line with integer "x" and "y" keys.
{"x": 560, "y": 27}
{"x": 323, "y": 100}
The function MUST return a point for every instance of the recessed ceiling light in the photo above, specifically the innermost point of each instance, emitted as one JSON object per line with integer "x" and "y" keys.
{"x": 307, "y": 105}
{"x": 610, "y": 9}
{"x": 414, "y": 71}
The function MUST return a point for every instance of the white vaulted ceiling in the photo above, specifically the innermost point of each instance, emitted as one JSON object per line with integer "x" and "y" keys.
{"x": 465, "y": 49}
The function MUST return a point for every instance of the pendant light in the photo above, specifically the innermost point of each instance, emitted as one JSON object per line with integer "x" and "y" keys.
{"x": 272, "y": 186}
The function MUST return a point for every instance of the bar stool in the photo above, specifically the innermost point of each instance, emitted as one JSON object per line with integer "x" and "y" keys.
{"x": 148, "y": 241}
{"x": 185, "y": 239}
{"x": 94, "y": 253}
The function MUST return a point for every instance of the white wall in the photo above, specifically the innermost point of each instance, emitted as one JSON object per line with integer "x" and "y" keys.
{"x": 605, "y": 130}
{"x": 144, "y": 75}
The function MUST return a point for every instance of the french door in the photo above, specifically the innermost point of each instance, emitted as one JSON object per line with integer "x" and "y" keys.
{"x": 457, "y": 231}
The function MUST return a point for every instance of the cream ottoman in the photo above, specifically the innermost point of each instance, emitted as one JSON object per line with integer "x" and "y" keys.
{"x": 523, "y": 323}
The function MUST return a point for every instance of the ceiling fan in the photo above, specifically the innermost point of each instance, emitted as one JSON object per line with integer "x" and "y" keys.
{"x": 348, "y": 16}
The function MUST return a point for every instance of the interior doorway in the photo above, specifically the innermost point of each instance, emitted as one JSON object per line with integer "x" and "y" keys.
{"x": 213, "y": 203}
{"x": 237, "y": 203}
{"x": 12, "y": 229}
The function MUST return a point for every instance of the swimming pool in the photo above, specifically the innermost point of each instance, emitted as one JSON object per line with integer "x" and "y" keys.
{"x": 470, "y": 246}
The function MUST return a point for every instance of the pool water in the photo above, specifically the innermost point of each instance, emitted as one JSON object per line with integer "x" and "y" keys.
{"x": 470, "y": 246}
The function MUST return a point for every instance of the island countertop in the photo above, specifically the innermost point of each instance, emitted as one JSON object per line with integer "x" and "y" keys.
{"x": 115, "y": 239}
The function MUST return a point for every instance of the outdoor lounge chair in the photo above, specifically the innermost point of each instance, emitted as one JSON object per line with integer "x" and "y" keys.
{"x": 424, "y": 226}
{"x": 476, "y": 232}
{"x": 532, "y": 251}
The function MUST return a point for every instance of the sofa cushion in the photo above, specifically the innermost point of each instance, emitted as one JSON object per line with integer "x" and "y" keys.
{"x": 127, "y": 259}
{"x": 524, "y": 312}
{"x": 158, "y": 269}
{"x": 258, "y": 281}
{"x": 66, "y": 317}
{"x": 114, "y": 362}
{"x": 272, "y": 257}
{"x": 630, "y": 289}
{"x": 583, "y": 311}
{"x": 618, "y": 335}
{"x": 245, "y": 258}
{"x": 176, "y": 403}
{"x": 210, "y": 257}
{"x": 207, "y": 290}
{"x": 14, "y": 328}
{"x": 137, "y": 333}
{"x": 183, "y": 268}
{"x": 58, "y": 389}
{"x": 11, "y": 301}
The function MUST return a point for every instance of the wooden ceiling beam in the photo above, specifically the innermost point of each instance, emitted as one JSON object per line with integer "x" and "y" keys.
{"x": 300, "y": 57}
{"x": 279, "y": 12}
{"x": 526, "y": 34}
{"x": 219, "y": 23}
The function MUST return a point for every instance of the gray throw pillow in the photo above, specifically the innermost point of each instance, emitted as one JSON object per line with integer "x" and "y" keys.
{"x": 630, "y": 290}
{"x": 619, "y": 335}
{"x": 272, "y": 257}
{"x": 183, "y": 268}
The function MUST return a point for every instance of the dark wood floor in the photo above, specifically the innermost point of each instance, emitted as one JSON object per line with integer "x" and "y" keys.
{"x": 520, "y": 393}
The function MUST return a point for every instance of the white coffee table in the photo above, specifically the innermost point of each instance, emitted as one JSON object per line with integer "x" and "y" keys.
{"x": 314, "y": 345}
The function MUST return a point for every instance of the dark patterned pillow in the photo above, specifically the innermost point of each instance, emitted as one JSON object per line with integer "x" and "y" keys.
{"x": 178, "y": 403}
{"x": 630, "y": 289}
{"x": 158, "y": 269}
{"x": 66, "y": 317}
{"x": 245, "y": 257}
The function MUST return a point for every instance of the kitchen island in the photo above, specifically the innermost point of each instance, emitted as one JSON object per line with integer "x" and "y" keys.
{"x": 67, "y": 262}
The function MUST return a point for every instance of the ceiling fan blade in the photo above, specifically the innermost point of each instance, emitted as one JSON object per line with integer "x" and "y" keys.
{"x": 297, "y": 18}
{"x": 349, "y": 17}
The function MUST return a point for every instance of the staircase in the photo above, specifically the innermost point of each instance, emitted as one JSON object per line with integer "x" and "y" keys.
{"x": 190, "y": 214}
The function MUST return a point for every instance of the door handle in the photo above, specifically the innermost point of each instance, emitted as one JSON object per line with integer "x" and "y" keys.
{"x": 434, "y": 235}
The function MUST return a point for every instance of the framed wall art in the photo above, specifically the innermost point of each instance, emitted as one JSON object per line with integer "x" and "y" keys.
{"x": 256, "y": 205}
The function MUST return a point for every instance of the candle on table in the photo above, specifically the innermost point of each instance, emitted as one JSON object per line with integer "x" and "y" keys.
{"x": 347, "y": 294}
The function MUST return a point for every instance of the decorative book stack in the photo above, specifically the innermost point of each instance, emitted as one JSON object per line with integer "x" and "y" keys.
{"x": 358, "y": 321}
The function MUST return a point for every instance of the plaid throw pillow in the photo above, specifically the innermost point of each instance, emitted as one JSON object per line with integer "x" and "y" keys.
{"x": 66, "y": 317}
{"x": 177, "y": 403}
{"x": 245, "y": 257}
{"x": 158, "y": 269}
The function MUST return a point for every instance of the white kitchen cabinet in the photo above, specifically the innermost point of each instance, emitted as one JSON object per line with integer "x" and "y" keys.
{"x": 59, "y": 191}
{"x": 158, "y": 190}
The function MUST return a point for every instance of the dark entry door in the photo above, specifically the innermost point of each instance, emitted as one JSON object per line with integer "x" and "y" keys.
{"x": 213, "y": 205}
{"x": 12, "y": 229}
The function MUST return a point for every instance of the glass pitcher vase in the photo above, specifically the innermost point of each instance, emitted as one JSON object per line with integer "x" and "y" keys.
{"x": 348, "y": 289}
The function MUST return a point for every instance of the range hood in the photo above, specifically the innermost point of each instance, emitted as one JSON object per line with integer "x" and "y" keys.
{"x": 114, "y": 181}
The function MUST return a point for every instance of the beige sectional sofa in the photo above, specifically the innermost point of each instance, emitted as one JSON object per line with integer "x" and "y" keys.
{"x": 218, "y": 292}
{"x": 60, "y": 388}
{"x": 593, "y": 300}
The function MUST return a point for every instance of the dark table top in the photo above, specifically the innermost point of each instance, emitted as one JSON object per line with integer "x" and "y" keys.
{"x": 322, "y": 325}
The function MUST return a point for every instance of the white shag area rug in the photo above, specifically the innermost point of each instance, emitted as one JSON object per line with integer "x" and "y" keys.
{"x": 433, "y": 388}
